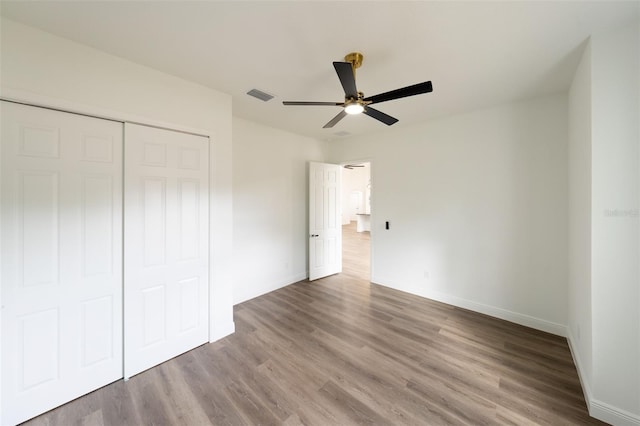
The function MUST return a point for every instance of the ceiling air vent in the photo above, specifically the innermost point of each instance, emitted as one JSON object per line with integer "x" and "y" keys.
{"x": 263, "y": 96}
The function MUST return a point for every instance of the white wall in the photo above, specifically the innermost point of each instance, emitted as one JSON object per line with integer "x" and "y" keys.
{"x": 615, "y": 76}
{"x": 270, "y": 208}
{"x": 579, "y": 307}
{"x": 43, "y": 68}
{"x": 604, "y": 232}
{"x": 477, "y": 205}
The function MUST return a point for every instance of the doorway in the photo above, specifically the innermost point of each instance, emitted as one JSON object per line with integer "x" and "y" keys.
{"x": 356, "y": 219}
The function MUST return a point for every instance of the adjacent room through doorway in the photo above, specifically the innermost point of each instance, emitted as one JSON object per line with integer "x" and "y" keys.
{"x": 356, "y": 219}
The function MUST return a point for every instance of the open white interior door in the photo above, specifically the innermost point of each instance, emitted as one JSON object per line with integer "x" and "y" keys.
{"x": 325, "y": 224}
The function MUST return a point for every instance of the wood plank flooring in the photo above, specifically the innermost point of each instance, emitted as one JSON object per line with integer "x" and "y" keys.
{"x": 341, "y": 351}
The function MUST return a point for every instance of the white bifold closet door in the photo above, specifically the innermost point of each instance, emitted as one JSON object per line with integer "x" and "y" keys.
{"x": 166, "y": 268}
{"x": 61, "y": 196}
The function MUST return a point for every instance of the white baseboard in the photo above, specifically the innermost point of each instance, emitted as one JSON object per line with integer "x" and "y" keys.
{"x": 613, "y": 415}
{"x": 300, "y": 277}
{"x": 598, "y": 409}
{"x": 584, "y": 383}
{"x": 221, "y": 331}
{"x": 274, "y": 286}
{"x": 515, "y": 317}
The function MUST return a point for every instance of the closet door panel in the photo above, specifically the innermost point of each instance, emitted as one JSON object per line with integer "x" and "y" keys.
{"x": 61, "y": 195}
{"x": 166, "y": 245}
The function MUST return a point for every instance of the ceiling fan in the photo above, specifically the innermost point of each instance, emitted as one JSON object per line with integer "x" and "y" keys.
{"x": 354, "y": 101}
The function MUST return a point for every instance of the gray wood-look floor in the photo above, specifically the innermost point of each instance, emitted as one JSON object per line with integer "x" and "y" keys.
{"x": 342, "y": 351}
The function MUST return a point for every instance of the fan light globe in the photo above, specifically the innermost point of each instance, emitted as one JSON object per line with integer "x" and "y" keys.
{"x": 353, "y": 108}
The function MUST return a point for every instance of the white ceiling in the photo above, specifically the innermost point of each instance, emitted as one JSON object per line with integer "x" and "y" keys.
{"x": 477, "y": 54}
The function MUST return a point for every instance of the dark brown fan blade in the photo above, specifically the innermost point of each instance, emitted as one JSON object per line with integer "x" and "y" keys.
{"x": 380, "y": 116}
{"x": 335, "y": 119}
{"x": 347, "y": 78}
{"x": 416, "y": 89}
{"x": 312, "y": 103}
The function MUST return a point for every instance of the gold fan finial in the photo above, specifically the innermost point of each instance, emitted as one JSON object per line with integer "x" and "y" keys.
{"x": 355, "y": 58}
